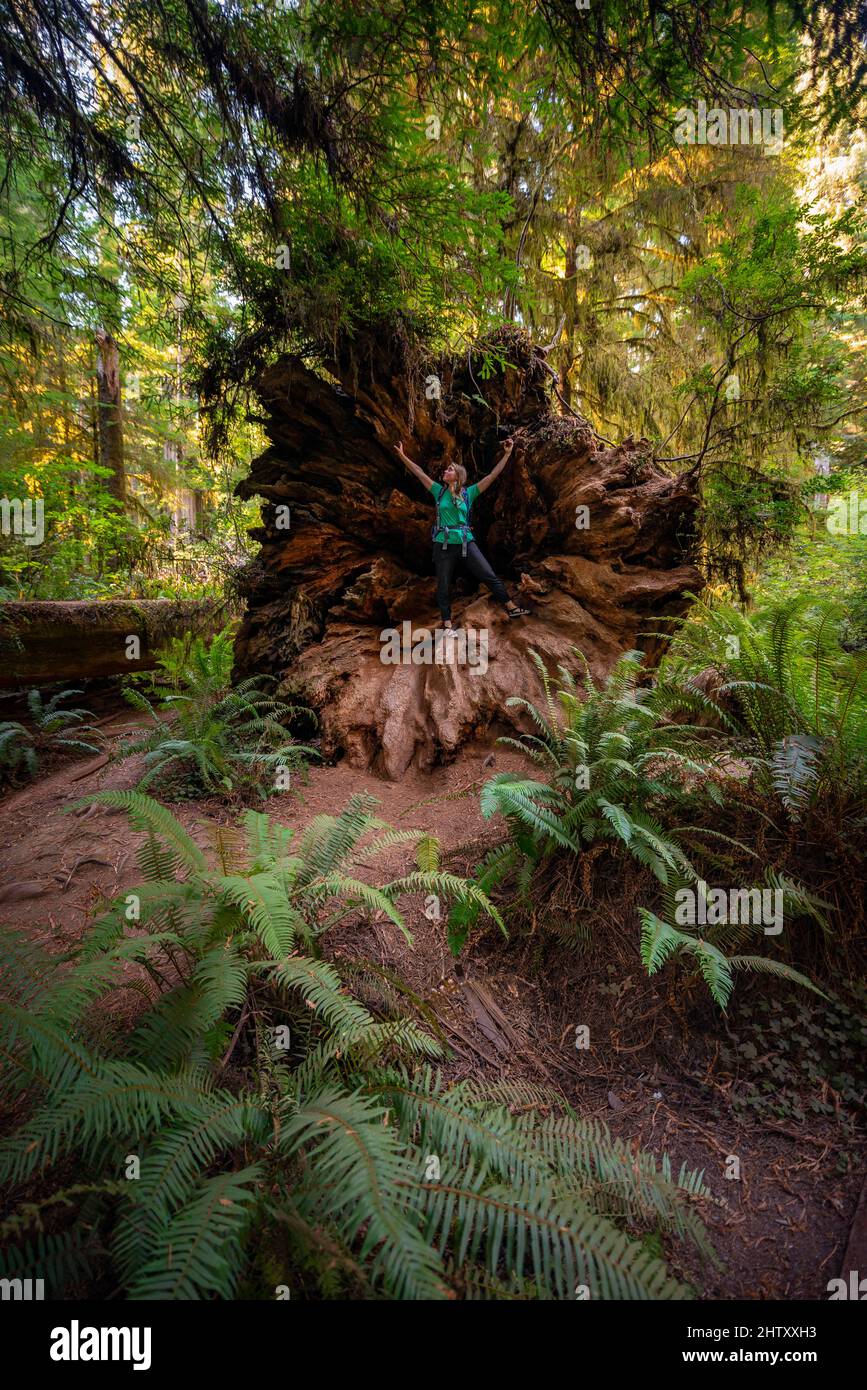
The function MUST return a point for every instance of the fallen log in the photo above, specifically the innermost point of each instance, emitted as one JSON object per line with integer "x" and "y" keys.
{"x": 81, "y": 640}
{"x": 596, "y": 539}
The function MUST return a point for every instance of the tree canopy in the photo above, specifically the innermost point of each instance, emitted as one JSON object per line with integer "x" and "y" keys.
{"x": 206, "y": 185}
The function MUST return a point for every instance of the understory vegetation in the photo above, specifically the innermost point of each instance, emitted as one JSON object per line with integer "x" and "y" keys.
{"x": 52, "y": 727}
{"x": 258, "y": 1126}
{"x": 210, "y": 736}
{"x": 742, "y": 764}
{"x": 262, "y": 1115}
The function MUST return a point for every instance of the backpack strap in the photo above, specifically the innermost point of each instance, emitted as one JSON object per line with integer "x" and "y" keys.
{"x": 464, "y": 528}
{"x": 435, "y": 530}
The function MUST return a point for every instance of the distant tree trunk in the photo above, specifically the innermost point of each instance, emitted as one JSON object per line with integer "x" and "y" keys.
{"x": 93, "y": 428}
{"x": 109, "y": 414}
{"x": 566, "y": 352}
{"x": 184, "y": 508}
{"x": 184, "y": 514}
{"x": 184, "y": 505}
{"x": 822, "y": 465}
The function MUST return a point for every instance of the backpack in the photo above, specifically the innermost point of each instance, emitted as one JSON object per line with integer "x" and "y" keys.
{"x": 441, "y": 526}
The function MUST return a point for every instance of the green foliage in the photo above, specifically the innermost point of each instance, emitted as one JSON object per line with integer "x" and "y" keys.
{"x": 819, "y": 563}
{"x": 620, "y": 772}
{"x": 611, "y": 760}
{"x": 278, "y": 1122}
{"x": 778, "y": 296}
{"x": 52, "y": 729}
{"x": 615, "y": 760}
{"x": 208, "y": 737}
{"x": 800, "y": 699}
{"x": 661, "y": 942}
{"x": 193, "y": 663}
{"x": 795, "y": 1062}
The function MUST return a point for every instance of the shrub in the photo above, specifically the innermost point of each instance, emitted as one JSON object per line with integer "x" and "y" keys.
{"x": 799, "y": 698}
{"x": 208, "y": 737}
{"x": 613, "y": 754}
{"x": 52, "y": 729}
{"x": 621, "y": 769}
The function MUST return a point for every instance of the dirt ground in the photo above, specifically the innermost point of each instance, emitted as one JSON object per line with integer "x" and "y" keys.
{"x": 509, "y": 1009}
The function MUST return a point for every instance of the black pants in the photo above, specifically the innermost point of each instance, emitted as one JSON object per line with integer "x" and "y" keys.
{"x": 447, "y": 561}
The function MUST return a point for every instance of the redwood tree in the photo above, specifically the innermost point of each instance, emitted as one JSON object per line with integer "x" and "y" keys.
{"x": 595, "y": 538}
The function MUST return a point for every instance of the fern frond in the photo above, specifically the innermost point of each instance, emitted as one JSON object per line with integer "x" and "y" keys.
{"x": 148, "y": 815}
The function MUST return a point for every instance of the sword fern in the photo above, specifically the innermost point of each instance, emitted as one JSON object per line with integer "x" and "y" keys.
{"x": 259, "y": 1114}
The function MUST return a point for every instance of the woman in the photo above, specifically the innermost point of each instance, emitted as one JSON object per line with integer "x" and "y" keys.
{"x": 453, "y": 539}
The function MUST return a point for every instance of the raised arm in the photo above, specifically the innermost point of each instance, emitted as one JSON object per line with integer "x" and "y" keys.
{"x": 499, "y": 465}
{"x": 413, "y": 467}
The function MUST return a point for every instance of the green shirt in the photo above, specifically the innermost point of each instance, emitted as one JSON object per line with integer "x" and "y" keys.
{"x": 453, "y": 513}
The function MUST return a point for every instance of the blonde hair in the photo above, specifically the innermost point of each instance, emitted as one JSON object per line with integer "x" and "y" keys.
{"x": 460, "y": 481}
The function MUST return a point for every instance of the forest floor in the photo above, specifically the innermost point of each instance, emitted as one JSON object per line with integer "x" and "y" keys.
{"x": 511, "y": 1009}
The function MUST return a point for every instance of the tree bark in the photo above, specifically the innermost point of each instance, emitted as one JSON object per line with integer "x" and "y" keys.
{"x": 565, "y": 355}
{"x": 346, "y": 550}
{"x": 69, "y": 640}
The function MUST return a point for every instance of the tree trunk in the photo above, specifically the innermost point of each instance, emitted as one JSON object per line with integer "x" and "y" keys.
{"x": 347, "y": 554}
{"x": 109, "y": 414}
{"x": 565, "y": 355}
{"x": 78, "y": 640}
